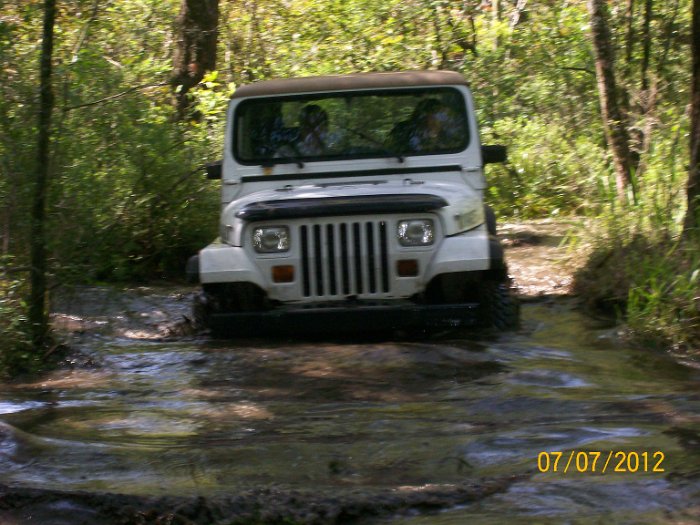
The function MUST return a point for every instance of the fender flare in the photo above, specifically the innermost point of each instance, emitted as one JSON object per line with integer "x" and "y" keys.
{"x": 192, "y": 270}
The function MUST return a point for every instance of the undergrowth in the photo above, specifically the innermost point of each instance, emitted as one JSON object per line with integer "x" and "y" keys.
{"x": 16, "y": 354}
{"x": 647, "y": 277}
{"x": 664, "y": 306}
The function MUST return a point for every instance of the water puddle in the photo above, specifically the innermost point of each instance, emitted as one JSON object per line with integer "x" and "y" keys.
{"x": 442, "y": 431}
{"x": 206, "y": 418}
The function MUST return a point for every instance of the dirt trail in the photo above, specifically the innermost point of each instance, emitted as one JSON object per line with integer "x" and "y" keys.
{"x": 538, "y": 258}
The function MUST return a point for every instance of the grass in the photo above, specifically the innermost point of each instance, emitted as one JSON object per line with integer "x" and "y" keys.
{"x": 651, "y": 281}
{"x": 17, "y": 356}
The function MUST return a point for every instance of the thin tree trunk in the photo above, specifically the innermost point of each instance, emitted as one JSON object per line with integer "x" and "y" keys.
{"x": 613, "y": 117}
{"x": 518, "y": 15}
{"x": 629, "y": 41}
{"x": 37, "y": 298}
{"x": 640, "y": 137}
{"x": 646, "y": 44}
{"x": 645, "y": 105}
{"x": 6, "y": 230}
{"x": 439, "y": 40}
{"x": 692, "y": 216}
{"x": 472, "y": 25}
{"x": 670, "y": 38}
{"x": 195, "y": 53}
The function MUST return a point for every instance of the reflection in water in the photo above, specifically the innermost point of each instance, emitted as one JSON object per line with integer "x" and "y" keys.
{"x": 215, "y": 417}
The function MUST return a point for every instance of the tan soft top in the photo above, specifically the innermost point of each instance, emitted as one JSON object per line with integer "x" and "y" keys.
{"x": 288, "y": 86}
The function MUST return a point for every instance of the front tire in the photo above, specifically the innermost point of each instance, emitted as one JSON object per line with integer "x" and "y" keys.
{"x": 201, "y": 310}
{"x": 498, "y": 307}
{"x": 226, "y": 297}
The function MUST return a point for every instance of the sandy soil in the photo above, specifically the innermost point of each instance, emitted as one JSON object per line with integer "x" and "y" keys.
{"x": 538, "y": 258}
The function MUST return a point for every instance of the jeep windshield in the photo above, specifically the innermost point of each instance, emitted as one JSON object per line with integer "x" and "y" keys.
{"x": 350, "y": 125}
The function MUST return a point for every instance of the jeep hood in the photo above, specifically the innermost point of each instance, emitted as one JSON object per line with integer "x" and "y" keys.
{"x": 353, "y": 198}
{"x": 452, "y": 201}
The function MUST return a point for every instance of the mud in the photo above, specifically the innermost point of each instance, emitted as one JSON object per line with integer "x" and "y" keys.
{"x": 149, "y": 422}
{"x": 267, "y": 505}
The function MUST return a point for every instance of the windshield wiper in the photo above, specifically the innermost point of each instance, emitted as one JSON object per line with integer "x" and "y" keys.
{"x": 382, "y": 146}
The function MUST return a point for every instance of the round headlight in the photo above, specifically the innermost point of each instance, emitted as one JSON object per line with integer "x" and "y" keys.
{"x": 271, "y": 239}
{"x": 418, "y": 232}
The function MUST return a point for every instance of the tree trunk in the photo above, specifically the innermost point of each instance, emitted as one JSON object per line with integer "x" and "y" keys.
{"x": 496, "y": 15}
{"x": 629, "y": 40}
{"x": 37, "y": 297}
{"x": 640, "y": 137}
{"x": 610, "y": 104}
{"x": 692, "y": 216}
{"x": 519, "y": 15}
{"x": 195, "y": 53}
{"x": 646, "y": 49}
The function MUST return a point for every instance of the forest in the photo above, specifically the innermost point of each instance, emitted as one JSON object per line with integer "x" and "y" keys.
{"x": 109, "y": 110}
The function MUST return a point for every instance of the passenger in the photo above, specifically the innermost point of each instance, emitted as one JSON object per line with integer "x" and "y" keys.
{"x": 430, "y": 128}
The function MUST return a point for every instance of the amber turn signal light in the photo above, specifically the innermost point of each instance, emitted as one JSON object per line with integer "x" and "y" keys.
{"x": 283, "y": 274}
{"x": 407, "y": 267}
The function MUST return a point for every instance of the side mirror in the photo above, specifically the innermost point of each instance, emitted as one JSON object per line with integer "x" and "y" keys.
{"x": 492, "y": 154}
{"x": 214, "y": 170}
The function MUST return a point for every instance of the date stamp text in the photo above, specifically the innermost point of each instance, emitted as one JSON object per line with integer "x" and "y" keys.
{"x": 601, "y": 462}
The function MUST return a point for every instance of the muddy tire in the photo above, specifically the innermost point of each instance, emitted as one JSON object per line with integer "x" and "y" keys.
{"x": 226, "y": 298}
{"x": 498, "y": 307}
{"x": 490, "y": 217}
{"x": 201, "y": 310}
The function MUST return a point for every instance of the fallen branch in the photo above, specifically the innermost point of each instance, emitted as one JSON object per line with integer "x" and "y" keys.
{"x": 116, "y": 96}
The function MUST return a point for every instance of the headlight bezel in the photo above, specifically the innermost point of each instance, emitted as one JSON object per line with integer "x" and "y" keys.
{"x": 416, "y": 232}
{"x": 271, "y": 239}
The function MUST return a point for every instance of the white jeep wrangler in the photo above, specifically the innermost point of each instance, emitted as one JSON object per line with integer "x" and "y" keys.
{"x": 353, "y": 202}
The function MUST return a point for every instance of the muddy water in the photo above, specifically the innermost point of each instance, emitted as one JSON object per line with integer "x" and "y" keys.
{"x": 147, "y": 413}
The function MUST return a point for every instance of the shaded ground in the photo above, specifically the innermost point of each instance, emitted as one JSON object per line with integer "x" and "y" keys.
{"x": 152, "y": 426}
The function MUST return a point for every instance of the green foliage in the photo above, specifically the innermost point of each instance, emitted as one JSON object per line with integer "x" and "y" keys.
{"x": 16, "y": 355}
{"x": 664, "y": 303}
{"x": 141, "y": 205}
{"x": 127, "y": 200}
{"x": 640, "y": 270}
{"x": 550, "y": 170}
{"x": 652, "y": 282}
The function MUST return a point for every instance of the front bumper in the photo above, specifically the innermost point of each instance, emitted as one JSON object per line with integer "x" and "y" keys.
{"x": 348, "y": 318}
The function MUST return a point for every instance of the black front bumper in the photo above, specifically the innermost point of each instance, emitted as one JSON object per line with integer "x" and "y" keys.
{"x": 356, "y": 317}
